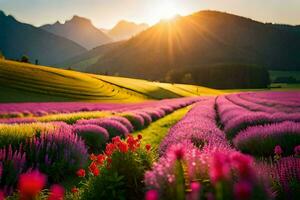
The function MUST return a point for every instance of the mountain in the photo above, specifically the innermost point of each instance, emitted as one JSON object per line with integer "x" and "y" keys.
{"x": 79, "y": 30}
{"x": 17, "y": 39}
{"x": 125, "y": 30}
{"x": 202, "y": 39}
{"x": 90, "y": 57}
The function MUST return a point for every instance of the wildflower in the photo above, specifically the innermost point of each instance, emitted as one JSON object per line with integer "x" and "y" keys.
{"x": 151, "y": 195}
{"x": 278, "y": 150}
{"x": 116, "y": 140}
{"x": 148, "y": 147}
{"x": 109, "y": 149}
{"x": 30, "y": 184}
{"x": 242, "y": 190}
{"x": 123, "y": 147}
{"x": 140, "y": 136}
{"x": 92, "y": 166}
{"x": 96, "y": 171}
{"x": 81, "y": 173}
{"x": 195, "y": 191}
{"x": 100, "y": 159}
{"x": 179, "y": 153}
{"x": 56, "y": 192}
{"x": 74, "y": 190}
{"x": 220, "y": 168}
{"x": 2, "y": 197}
{"x": 93, "y": 157}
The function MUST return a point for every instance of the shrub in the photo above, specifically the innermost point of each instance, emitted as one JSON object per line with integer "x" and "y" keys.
{"x": 121, "y": 171}
{"x": 57, "y": 153}
{"x": 146, "y": 117}
{"x": 95, "y": 137}
{"x": 261, "y": 140}
{"x": 123, "y": 121}
{"x": 113, "y": 127}
{"x": 136, "y": 120}
{"x": 12, "y": 164}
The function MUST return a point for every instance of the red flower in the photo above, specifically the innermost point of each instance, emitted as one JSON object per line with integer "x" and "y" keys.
{"x": 92, "y": 166}
{"x": 93, "y": 157}
{"x": 74, "y": 190}
{"x": 116, "y": 140}
{"x": 96, "y": 172}
{"x": 179, "y": 153}
{"x": 140, "y": 136}
{"x": 56, "y": 193}
{"x": 100, "y": 159}
{"x": 81, "y": 173}
{"x": 148, "y": 147}
{"x": 123, "y": 147}
{"x": 109, "y": 160}
{"x": 220, "y": 167}
{"x": 109, "y": 149}
{"x": 30, "y": 184}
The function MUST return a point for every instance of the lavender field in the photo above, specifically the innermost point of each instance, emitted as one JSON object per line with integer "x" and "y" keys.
{"x": 235, "y": 146}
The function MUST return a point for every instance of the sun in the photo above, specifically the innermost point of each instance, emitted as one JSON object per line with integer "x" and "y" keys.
{"x": 166, "y": 9}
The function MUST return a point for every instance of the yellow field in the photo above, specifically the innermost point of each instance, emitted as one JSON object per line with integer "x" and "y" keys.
{"x": 27, "y": 82}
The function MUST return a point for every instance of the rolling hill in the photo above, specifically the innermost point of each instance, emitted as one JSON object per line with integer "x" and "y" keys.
{"x": 125, "y": 30}
{"x": 82, "y": 61}
{"x": 79, "y": 30}
{"x": 17, "y": 39}
{"x": 202, "y": 39}
{"x": 22, "y": 82}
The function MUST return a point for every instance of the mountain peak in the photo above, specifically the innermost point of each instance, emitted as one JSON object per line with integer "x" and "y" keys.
{"x": 81, "y": 20}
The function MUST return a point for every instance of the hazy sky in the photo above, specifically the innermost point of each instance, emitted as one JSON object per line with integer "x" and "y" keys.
{"x": 105, "y": 13}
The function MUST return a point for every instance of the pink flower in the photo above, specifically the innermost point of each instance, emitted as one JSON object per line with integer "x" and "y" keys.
{"x": 56, "y": 193}
{"x": 220, "y": 168}
{"x": 179, "y": 152}
{"x": 195, "y": 193}
{"x": 242, "y": 190}
{"x": 151, "y": 195}
{"x": 30, "y": 184}
{"x": 278, "y": 150}
{"x": 2, "y": 197}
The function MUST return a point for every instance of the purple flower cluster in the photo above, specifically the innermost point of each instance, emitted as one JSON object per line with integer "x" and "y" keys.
{"x": 11, "y": 110}
{"x": 198, "y": 126}
{"x": 114, "y": 128}
{"x": 18, "y": 120}
{"x": 261, "y": 140}
{"x": 12, "y": 164}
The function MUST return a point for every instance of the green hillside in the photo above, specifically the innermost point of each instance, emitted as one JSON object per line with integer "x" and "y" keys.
{"x": 22, "y": 82}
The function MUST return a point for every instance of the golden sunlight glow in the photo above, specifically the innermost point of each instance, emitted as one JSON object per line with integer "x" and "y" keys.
{"x": 166, "y": 9}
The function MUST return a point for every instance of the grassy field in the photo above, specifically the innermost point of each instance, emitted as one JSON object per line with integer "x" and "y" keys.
{"x": 21, "y": 82}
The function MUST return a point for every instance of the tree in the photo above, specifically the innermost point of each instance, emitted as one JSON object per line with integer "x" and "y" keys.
{"x": 25, "y": 59}
{"x": 1, "y": 56}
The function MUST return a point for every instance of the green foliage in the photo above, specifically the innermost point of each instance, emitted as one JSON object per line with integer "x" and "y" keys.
{"x": 1, "y": 55}
{"x": 122, "y": 179}
{"x": 222, "y": 76}
{"x": 25, "y": 59}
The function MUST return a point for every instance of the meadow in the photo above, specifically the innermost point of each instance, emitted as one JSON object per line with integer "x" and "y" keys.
{"x": 105, "y": 137}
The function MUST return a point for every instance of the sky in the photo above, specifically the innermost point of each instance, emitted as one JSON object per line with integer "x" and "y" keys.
{"x": 106, "y": 13}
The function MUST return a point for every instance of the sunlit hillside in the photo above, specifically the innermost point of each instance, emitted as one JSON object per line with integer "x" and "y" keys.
{"x": 21, "y": 82}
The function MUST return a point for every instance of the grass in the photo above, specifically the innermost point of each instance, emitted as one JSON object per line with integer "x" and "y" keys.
{"x": 275, "y": 74}
{"x": 22, "y": 82}
{"x": 157, "y": 130}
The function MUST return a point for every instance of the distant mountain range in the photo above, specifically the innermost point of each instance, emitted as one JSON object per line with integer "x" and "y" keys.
{"x": 201, "y": 39}
{"x": 79, "y": 30}
{"x": 17, "y": 39}
{"x": 125, "y": 30}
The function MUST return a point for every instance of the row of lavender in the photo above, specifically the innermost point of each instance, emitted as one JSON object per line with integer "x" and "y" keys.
{"x": 254, "y": 128}
{"x": 58, "y": 149}
{"x": 198, "y": 162}
{"x": 15, "y": 110}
